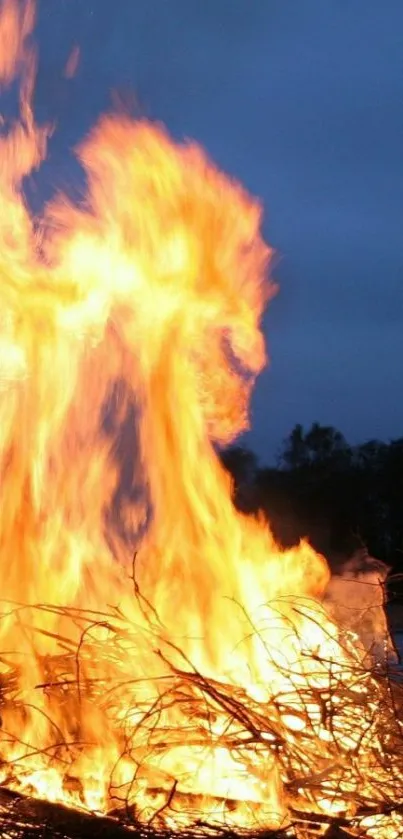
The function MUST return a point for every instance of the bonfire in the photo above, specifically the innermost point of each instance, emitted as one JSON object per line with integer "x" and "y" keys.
{"x": 164, "y": 665}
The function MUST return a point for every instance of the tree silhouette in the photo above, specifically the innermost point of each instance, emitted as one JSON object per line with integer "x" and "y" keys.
{"x": 320, "y": 445}
{"x": 339, "y": 497}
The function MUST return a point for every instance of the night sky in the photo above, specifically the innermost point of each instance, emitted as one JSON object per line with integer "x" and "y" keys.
{"x": 302, "y": 100}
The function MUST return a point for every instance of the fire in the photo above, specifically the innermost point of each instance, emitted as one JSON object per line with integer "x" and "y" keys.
{"x": 177, "y": 682}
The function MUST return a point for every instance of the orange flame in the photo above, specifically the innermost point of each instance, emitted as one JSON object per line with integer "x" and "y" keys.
{"x": 72, "y": 63}
{"x": 140, "y": 310}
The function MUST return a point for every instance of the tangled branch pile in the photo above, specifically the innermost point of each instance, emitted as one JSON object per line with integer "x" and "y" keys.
{"x": 336, "y": 751}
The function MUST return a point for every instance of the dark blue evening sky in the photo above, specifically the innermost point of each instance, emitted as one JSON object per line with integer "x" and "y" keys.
{"x": 303, "y": 101}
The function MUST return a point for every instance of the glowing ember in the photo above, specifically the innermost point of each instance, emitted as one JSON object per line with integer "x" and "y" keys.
{"x": 206, "y": 680}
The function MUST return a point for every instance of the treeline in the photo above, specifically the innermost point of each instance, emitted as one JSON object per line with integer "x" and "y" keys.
{"x": 340, "y": 497}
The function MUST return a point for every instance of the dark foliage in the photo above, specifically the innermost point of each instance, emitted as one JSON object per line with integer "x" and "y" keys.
{"x": 338, "y": 496}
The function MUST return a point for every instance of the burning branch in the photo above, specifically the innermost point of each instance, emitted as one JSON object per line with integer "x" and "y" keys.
{"x": 355, "y": 774}
{"x": 219, "y": 693}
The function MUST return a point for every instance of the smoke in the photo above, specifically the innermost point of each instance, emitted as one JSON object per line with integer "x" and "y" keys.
{"x": 356, "y": 598}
